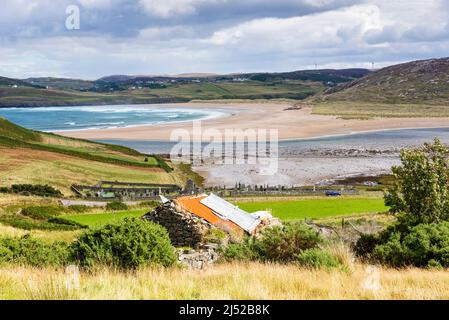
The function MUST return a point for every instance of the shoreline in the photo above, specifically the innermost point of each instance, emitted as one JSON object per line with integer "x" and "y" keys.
{"x": 292, "y": 125}
{"x": 217, "y": 114}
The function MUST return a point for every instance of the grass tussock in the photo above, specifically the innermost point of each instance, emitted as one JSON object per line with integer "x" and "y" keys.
{"x": 226, "y": 281}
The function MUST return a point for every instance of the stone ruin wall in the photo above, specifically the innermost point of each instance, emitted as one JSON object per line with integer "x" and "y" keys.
{"x": 184, "y": 229}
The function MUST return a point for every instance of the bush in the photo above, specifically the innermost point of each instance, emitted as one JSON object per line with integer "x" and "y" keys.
{"x": 364, "y": 247}
{"x": 78, "y": 208}
{"x": 129, "y": 244}
{"x": 240, "y": 252}
{"x": 277, "y": 244}
{"x": 33, "y": 252}
{"x": 284, "y": 243}
{"x": 40, "y": 218}
{"x": 53, "y": 224}
{"x": 37, "y": 190}
{"x": 116, "y": 206}
{"x": 317, "y": 258}
{"x": 41, "y": 213}
{"x": 425, "y": 245}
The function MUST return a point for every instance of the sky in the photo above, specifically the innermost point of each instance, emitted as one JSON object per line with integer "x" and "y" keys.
{"x": 148, "y": 37}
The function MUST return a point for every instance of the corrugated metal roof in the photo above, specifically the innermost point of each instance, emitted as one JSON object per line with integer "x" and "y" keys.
{"x": 228, "y": 211}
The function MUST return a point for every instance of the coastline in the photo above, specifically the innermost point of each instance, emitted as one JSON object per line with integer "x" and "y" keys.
{"x": 292, "y": 124}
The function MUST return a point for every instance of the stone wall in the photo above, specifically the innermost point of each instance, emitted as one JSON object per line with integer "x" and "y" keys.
{"x": 185, "y": 229}
{"x": 201, "y": 258}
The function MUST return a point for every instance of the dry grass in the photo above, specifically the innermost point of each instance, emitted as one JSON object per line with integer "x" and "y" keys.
{"x": 49, "y": 236}
{"x": 228, "y": 281}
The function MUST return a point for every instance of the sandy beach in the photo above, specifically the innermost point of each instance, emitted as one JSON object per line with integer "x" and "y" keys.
{"x": 292, "y": 124}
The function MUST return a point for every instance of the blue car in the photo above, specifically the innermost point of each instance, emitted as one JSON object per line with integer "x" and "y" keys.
{"x": 333, "y": 193}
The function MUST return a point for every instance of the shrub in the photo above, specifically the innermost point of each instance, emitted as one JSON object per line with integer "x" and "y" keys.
{"x": 53, "y": 224}
{"x": 277, "y": 244}
{"x": 40, "y": 218}
{"x": 78, "y": 208}
{"x": 425, "y": 245}
{"x": 116, "y": 206}
{"x": 33, "y": 252}
{"x": 37, "y": 190}
{"x": 317, "y": 258}
{"x": 128, "y": 244}
{"x": 365, "y": 245}
{"x": 284, "y": 243}
{"x": 41, "y": 213}
{"x": 240, "y": 252}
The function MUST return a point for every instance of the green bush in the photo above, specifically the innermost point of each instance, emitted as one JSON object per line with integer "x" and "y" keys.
{"x": 278, "y": 244}
{"x": 37, "y": 190}
{"x": 240, "y": 252}
{"x": 33, "y": 252}
{"x": 41, "y": 213}
{"x": 78, "y": 208}
{"x": 317, "y": 258}
{"x": 53, "y": 224}
{"x": 365, "y": 245}
{"x": 116, "y": 206}
{"x": 40, "y": 218}
{"x": 128, "y": 244}
{"x": 424, "y": 245}
{"x": 284, "y": 243}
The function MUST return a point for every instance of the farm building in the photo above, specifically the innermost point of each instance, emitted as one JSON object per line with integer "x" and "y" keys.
{"x": 189, "y": 219}
{"x": 126, "y": 190}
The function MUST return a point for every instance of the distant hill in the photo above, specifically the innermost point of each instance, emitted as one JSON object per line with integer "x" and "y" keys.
{"x": 413, "y": 89}
{"x": 125, "y": 89}
{"x": 61, "y": 83}
{"x": 425, "y": 81}
{"x": 327, "y": 76}
{"x": 9, "y": 82}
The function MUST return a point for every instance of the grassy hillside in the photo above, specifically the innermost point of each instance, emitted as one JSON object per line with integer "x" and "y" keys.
{"x": 28, "y": 156}
{"x": 418, "y": 88}
{"x": 167, "y": 93}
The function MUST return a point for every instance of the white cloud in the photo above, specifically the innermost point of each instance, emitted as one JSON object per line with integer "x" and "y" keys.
{"x": 324, "y": 30}
{"x": 97, "y": 4}
{"x": 169, "y": 8}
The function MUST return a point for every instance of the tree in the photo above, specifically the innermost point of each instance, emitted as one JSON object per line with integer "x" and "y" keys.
{"x": 421, "y": 190}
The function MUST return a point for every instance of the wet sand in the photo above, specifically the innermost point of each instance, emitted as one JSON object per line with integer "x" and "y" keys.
{"x": 292, "y": 124}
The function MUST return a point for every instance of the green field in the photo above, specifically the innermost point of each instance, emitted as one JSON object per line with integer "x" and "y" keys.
{"x": 101, "y": 219}
{"x": 316, "y": 208}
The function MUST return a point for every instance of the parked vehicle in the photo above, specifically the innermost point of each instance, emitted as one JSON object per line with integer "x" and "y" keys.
{"x": 333, "y": 194}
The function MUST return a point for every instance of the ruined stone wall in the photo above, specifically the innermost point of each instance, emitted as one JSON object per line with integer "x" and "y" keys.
{"x": 185, "y": 229}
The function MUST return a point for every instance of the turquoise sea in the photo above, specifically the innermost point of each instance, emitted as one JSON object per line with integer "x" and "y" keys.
{"x": 102, "y": 117}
